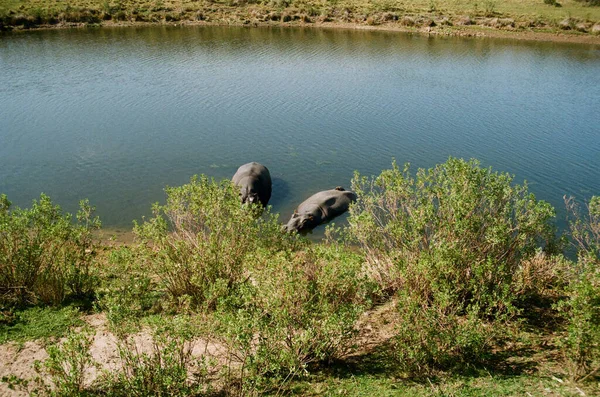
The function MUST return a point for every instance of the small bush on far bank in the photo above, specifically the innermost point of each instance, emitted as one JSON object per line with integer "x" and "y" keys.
{"x": 44, "y": 257}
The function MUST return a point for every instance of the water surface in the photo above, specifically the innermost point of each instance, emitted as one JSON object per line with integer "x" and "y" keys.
{"x": 114, "y": 115}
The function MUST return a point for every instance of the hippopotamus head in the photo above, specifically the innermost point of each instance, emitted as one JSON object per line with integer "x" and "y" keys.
{"x": 300, "y": 223}
{"x": 249, "y": 196}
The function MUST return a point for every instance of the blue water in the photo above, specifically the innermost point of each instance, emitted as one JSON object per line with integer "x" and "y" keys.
{"x": 115, "y": 115}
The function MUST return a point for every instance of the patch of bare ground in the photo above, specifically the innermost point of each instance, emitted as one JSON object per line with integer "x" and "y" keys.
{"x": 19, "y": 360}
{"x": 376, "y": 327}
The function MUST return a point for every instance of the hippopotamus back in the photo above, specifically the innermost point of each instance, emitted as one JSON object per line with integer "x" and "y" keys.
{"x": 319, "y": 208}
{"x": 254, "y": 181}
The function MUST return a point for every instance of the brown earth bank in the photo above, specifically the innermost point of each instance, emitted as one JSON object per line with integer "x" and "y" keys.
{"x": 473, "y": 31}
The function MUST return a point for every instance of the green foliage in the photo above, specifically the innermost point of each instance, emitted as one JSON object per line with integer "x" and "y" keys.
{"x": 299, "y": 310}
{"x": 457, "y": 229}
{"x": 199, "y": 241}
{"x": 66, "y": 366}
{"x": 581, "y": 309}
{"x": 452, "y": 241}
{"x": 38, "y": 323}
{"x": 129, "y": 293}
{"x": 43, "y": 255}
{"x": 169, "y": 369}
{"x": 439, "y": 336}
{"x": 490, "y": 7}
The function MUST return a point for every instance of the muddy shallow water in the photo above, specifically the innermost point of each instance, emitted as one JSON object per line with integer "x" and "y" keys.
{"x": 114, "y": 115}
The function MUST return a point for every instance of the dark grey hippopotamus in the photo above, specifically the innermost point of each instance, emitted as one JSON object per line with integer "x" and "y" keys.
{"x": 320, "y": 208}
{"x": 254, "y": 181}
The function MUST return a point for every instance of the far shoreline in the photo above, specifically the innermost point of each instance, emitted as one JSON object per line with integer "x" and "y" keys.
{"x": 473, "y": 31}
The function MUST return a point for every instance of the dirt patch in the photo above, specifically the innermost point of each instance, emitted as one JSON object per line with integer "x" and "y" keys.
{"x": 18, "y": 360}
{"x": 376, "y": 327}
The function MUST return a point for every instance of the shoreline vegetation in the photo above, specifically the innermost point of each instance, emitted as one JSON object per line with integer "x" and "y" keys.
{"x": 544, "y": 20}
{"x": 450, "y": 280}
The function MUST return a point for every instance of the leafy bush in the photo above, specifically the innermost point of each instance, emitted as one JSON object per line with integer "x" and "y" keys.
{"x": 199, "y": 241}
{"x": 581, "y": 309}
{"x": 439, "y": 336}
{"x": 452, "y": 242}
{"x": 166, "y": 369}
{"x": 299, "y": 310}
{"x": 43, "y": 255}
{"x": 129, "y": 292}
{"x": 457, "y": 229}
{"x": 63, "y": 372}
{"x": 169, "y": 369}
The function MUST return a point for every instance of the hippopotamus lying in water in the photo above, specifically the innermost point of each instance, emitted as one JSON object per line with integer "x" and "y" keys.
{"x": 320, "y": 208}
{"x": 254, "y": 182}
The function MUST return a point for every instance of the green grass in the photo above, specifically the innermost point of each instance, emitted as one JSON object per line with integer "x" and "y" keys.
{"x": 365, "y": 385}
{"x": 38, "y": 323}
{"x": 528, "y": 15}
{"x": 528, "y": 371}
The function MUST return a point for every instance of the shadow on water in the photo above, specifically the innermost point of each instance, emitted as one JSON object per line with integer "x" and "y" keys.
{"x": 281, "y": 192}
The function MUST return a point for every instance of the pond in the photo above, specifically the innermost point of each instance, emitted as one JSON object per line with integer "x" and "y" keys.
{"x": 116, "y": 114}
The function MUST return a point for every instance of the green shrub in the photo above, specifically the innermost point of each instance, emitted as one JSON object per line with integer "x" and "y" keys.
{"x": 299, "y": 310}
{"x": 168, "y": 369}
{"x": 199, "y": 241}
{"x": 43, "y": 255}
{"x": 581, "y": 310}
{"x": 66, "y": 366}
{"x": 452, "y": 242}
{"x": 129, "y": 292}
{"x": 438, "y": 336}
{"x": 457, "y": 228}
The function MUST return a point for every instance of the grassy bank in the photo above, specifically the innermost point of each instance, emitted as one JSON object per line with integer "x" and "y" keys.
{"x": 446, "y": 281}
{"x": 540, "y": 19}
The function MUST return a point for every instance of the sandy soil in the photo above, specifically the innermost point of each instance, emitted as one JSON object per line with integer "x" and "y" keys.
{"x": 19, "y": 360}
{"x": 375, "y": 327}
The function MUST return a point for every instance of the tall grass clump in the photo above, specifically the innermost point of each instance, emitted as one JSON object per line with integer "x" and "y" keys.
{"x": 44, "y": 256}
{"x": 581, "y": 308}
{"x": 450, "y": 242}
{"x": 198, "y": 242}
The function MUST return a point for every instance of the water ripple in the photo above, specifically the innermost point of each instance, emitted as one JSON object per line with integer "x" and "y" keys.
{"x": 114, "y": 115}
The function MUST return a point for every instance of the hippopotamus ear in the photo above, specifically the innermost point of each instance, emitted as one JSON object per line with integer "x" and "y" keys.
{"x": 339, "y": 188}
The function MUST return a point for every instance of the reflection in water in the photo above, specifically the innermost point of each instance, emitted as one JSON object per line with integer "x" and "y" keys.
{"x": 115, "y": 115}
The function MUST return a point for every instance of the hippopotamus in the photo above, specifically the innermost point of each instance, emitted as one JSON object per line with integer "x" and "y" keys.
{"x": 254, "y": 181}
{"x": 320, "y": 208}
